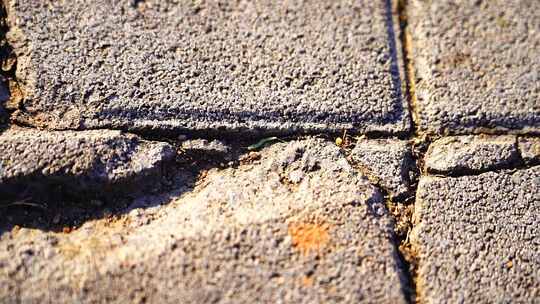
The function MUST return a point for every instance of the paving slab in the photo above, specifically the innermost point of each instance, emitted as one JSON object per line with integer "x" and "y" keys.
{"x": 477, "y": 238}
{"x": 255, "y": 66}
{"x": 389, "y": 163}
{"x": 33, "y": 160}
{"x": 477, "y": 65}
{"x": 243, "y": 234}
{"x": 458, "y": 155}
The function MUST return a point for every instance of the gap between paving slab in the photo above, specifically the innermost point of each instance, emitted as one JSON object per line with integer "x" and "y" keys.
{"x": 8, "y": 64}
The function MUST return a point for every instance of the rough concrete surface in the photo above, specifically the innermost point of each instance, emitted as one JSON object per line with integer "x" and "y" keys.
{"x": 477, "y": 238}
{"x": 529, "y": 148}
{"x": 208, "y": 65}
{"x": 222, "y": 197}
{"x": 389, "y": 163}
{"x": 477, "y": 65}
{"x": 243, "y": 234}
{"x": 458, "y": 155}
{"x": 212, "y": 147}
{"x": 85, "y": 160}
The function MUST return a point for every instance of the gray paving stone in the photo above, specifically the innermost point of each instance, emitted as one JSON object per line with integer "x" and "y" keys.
{"x": 477, "y": 65}
{"x": 207, "y": 65}
{"x": 529, "y": 147}
{"x": 477, "y": 238}
{"x": 77, "y": 160}
{"x": 471, "y": 154}
{"x": 387, "y": 162}
{"x": 244, "y": 234}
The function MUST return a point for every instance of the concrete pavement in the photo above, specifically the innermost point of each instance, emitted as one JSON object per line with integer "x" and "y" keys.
{"x": 156, "y": 151}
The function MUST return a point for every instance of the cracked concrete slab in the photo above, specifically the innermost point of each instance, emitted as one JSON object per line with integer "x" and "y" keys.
{"x": 208, "y": 65}
{"x": 472, "y": 154}
{"x": 388, "y": 163}
{"x": 79, "y": 161}
{"x": 245, "y": 233}
{"x": 477, "y": 238}
{"x": 477, "y": 65}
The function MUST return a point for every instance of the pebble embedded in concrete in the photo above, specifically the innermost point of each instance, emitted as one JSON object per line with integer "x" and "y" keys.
{"x": 212, "y": 147}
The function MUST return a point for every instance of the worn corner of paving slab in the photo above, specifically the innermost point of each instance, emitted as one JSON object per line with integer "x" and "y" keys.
{"x": 295, "y": 225}
{"x": 471, "y": 154}
{"x": 389, "y": 163}
{"x": 78, "y": 160}
{"x": 529, "y": 148}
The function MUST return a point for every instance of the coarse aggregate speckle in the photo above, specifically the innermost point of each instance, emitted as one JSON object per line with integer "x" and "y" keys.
{"x": 477, "y": 238}
{"x": 248, "y": 66}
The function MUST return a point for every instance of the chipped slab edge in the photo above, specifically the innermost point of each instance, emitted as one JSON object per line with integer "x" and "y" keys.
{"x": 519, "y": 144}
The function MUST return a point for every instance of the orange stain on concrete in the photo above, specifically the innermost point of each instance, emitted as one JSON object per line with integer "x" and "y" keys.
{"x": 308, "y": 238}
{"x": 307, "y": 281}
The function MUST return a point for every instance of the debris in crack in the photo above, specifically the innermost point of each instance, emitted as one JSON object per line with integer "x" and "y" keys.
{"x": 389, "y": 164}
{"x": 407, "y": 54}
{"x": 7, "y": 70}
{"x": 403, "y": 213}
{"x": 36, "y": 162}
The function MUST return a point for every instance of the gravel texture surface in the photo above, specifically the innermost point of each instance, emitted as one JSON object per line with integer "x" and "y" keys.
{"x": 208, "y": 65}
{"x": 477, "y": 238}
{"x": 33, "y": 160}
{"x": 477, "y": 65}
{"x": 389, "y": 163}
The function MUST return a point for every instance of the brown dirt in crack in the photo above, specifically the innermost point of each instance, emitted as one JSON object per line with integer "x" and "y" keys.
{"x": 407, "y": 50}
{"x": 402, "y": 213}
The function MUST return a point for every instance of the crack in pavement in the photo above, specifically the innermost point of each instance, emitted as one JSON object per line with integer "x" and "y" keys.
{"x": 402, "y": 210}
